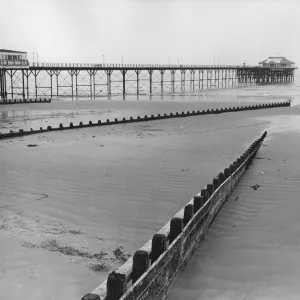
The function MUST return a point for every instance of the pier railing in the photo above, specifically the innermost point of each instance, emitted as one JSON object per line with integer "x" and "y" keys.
{"x": 168, "y": 66}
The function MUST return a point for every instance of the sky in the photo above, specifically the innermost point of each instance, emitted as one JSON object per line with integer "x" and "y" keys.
{"x": 152, "y": 31}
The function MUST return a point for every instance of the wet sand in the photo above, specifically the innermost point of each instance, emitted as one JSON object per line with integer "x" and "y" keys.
{"x": 251, "y": 251}
{"x": 80, "y": 202}
{"x": 36, "y": 115}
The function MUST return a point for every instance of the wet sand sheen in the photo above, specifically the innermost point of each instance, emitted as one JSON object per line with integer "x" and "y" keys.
{"x": 251, "y": 250}
{"x": 71, "y": 202}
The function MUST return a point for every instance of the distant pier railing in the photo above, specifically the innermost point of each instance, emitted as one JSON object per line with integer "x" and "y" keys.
{"x": 146, "y": 66}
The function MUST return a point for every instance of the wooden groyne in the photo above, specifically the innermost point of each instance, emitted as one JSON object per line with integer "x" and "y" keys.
{"x": 151, "y": 272}
{"x": 21, "y": 132}
{"x": 20, "y": 101}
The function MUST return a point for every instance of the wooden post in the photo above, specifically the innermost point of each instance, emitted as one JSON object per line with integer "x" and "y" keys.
{"x": 204, "y": 194}
{"x": 176, "y": 227}
{"x": 159, "y": 246}
{"x": 198, "y": 203}
{"x": 216, "y": 183}
{"x": 232, "y": 169}
{"x": 116, "y": 286}
{"x": 210, "y": 189}
{"x": 188, "y": 213}
{"x": 221, "y": 177}
{"x": 141, "y": 263}
{"x": 90, "y": 296}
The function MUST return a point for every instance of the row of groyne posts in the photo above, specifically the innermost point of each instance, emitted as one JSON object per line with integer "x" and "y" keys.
{"x": 146, "y": 118}
{"x": 73, "y": 81}
{"x": 152, "y": 271}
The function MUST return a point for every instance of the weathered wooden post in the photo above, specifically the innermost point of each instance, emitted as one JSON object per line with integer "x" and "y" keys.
{"x": 141, "y": 263}
{"x": 159, "y": 246}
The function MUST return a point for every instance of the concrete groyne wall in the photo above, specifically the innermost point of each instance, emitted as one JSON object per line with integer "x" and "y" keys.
{"x": 22, "y": 132}
{"x": 151, "y": 272}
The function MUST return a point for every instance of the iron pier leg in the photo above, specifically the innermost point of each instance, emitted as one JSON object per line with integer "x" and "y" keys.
{"x": 76, "y": 82}
{"x": 57, "y": 82}
{"x": 56, "y": 74}
{"x": 91, "y": 85}
{"x": 182, "y": 80}
{"x": 11, "y": 85}
{"x": 51, "y": 87}
{"x": 35, "y": 84}
{"x": 23, "y": 84}
{"x": 108, "y": 74}
{"x": 137, "y": 81}
{"x": 27, "y": 83}
{"x": 1, "y": 85}
{"x": 150, "y": 78}
{"x": 162, "y": 80}
{"x": 72, "y": 84}
{"x": 173, "y": 80}
{"x": 5, "y": 86}
{"x": 94, "y": 82}
{"x": 124, "y": 81}
{"x": 192, "y": 74}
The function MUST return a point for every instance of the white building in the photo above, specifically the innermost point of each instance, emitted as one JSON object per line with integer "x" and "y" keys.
{"x": 13, "y": 58}
{"x": 277, "y": 62}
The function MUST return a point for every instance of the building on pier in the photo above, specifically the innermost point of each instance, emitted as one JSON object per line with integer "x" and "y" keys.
{"x": 277, "y": 62}
{"x": 11, "y": 58}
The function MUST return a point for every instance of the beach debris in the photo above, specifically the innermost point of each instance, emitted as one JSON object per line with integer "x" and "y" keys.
{"x": 101, "y": 261}
{"x": 236, "y": 198}
{"x": 32, "y": 145}
{"x": 255, "y": 187}
{"x": 120, "y": 254}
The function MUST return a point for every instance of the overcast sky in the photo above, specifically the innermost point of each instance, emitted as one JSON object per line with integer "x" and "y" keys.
{"x": 151, "y": 31}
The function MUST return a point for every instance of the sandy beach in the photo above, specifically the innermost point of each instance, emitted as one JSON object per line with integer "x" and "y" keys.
{"x": 80, "y": 202}
{"x": 86, "y": 182}
{"x": 251, "y": 250}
